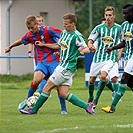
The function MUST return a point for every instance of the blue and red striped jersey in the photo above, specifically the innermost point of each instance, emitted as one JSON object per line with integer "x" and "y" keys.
{"x": 47, "y": 34}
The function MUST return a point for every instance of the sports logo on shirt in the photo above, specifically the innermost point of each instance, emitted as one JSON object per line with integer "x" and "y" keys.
{"x": 107, "y": 40}
{"x": 128, "y": 36}
{"x": 63, "y": 45}
{"x": 42, "y": 39}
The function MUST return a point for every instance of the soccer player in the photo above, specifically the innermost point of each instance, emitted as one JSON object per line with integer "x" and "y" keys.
{"x": 45, "y": 57}
{"x": 72, "y": 43}
{"x": 113, "y": 74}
{"x": 40, "y": 21}
{"x": 127, "y": 41}
{"x": 107, "y": 34}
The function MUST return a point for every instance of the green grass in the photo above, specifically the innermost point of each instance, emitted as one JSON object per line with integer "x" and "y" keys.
{"x": 49, "y": 119}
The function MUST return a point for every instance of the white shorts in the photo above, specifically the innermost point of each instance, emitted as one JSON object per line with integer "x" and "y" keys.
{"x": 97, "y": 68}
{"x": 129, "y": 67}
{"x": 114, "y": 72}
{"x": 62, "y": 76}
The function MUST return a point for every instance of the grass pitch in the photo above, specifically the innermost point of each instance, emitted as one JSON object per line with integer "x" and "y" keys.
{"x": 49, "y": 119}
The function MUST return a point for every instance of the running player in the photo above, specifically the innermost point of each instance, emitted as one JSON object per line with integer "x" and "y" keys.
{"x": 127, "y": 41}
{"x": 107, "y": 34}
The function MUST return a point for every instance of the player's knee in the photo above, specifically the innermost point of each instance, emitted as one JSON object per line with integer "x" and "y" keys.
{"x": 92, "y": 80}
{"x": 36, "y": 82}
{"x": 114, "y": 79}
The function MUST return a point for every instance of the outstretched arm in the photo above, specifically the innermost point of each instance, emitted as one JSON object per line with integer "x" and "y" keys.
{"x": 16, "y": 43}
{"x": 49, "y": 45}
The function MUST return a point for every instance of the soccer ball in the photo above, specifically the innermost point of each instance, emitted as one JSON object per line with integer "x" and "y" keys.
{"x": 31, "y": 101}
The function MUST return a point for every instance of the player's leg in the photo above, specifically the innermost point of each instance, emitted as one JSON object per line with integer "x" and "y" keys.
{"x": 94, "y": 71}
{"x": 105, "y": 69}
{"x": 58, "y": 80}
{"x": 41, "y": 86}
{"x": 75, "y": 100}
{"x": 101, "y": 85}
{"x": 91, "y": 88}
{"x": 62, "y": 101}
{"x": 39, "y": 74}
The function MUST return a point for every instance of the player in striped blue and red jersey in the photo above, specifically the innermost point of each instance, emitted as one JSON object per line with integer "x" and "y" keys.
{"x": 44, "y": 56}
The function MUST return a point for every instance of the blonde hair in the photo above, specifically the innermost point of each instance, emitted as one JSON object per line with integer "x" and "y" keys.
{"x": 30, "y": 19}
{"x": 110, "y": 8}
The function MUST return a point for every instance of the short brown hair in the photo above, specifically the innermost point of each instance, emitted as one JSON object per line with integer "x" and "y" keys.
{"x": 29, "y": 19}
{"x": 72, "y": 18}
{"x": 110, "y": 8}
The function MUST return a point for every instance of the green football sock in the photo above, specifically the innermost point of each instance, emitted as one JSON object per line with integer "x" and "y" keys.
{"x": 118, "y": 95}
{"x": 116, "y": 86}
{"x": 76, "y": 101}
{"x": 42, "y": 98}
{"x": 91, "y": 90}
{"x": 110, "y": 86}
{"x": 100, "y": 88}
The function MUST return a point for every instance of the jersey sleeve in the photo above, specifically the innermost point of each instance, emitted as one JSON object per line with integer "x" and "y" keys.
{"x": 55, "y": 32}
{"x": 80, "y": 41}
{"x": 25, "y": 39}
{"x": 94, "y": 34}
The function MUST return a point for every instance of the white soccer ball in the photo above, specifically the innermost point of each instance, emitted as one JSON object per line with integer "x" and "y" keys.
{"x": 31, "y": 101}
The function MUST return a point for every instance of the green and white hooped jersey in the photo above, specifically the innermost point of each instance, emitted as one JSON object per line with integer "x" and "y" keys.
{"x": 106, "y": 37}
{"x": 127, "y": 36}
{"x": 70, "y": 42}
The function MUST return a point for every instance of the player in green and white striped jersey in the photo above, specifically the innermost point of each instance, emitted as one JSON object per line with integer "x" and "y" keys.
{"x": 114, "y": 73}
{"x": 127, "y": 41}
{"x": 72, "y": 43}
{"x": 108, "y": 35}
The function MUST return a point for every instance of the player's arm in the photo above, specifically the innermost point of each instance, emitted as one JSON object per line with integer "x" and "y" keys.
{"x": 120, "y": 53}
{"x": 14, "y": 44}
{"x": 91, "y": 39}
{"x": 91, "y": 46}
{"x": 30, "y": 49}
{"x": 84, "y": 50}
{"x": 49, "y": 45}
{"x": 120, "y": 45}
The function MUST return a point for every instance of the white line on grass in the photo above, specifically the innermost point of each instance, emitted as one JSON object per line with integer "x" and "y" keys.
{"x": 58, "y": 129}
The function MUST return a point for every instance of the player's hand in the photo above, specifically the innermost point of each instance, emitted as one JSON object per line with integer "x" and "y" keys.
{"x": 8, "y": 49}
{"x": 81, "y": 50}
{"x": 56, "y": 53}
{"x": 108, "y": 50}
{"x": 29, "y": 55}
{"x": 38, "y": 43}
{"x": 92, "y": 48}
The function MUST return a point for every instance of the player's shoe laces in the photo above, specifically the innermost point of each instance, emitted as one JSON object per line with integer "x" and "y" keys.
{"x": 22, "y": 105}
{"x": 28, "y": 111}
{"x": 108, "y": 109}
{"x": 64, "y": 112}
{"x": 90, "y": 109}
{"x": 94, "y": 103}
